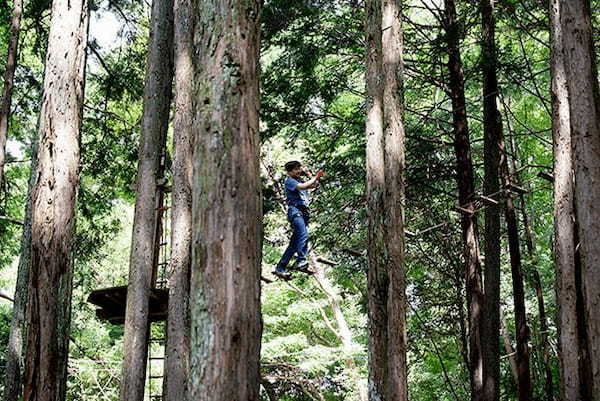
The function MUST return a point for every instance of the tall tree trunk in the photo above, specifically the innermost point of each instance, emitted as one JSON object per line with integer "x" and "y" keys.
{"x": 584, "y": 106}
{"x": 178, "y": 325}
{"x": 157, "y": 99}
{"x": 522, "y": 330}
{"x": 53, "y": 204}
{"x": 9, "y": 78}
{"x": 573, "y": 353}
{"x": 15, "y": 361}
{"x": 226, "y": 203}
{"x": 491, "y": 187}
{"x": 394, "y": 149}
{"x": 466, "y": 193}
{"x": 564, "y": 217}
{"x": 535, "y": 278}
{"x": 377, "y": 275}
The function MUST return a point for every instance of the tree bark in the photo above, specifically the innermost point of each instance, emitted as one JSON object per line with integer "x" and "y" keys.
{"x": 394, "y": 163}
{"x": 53, "y": 204}
{"x": 466, "y": 193}
{"x": 584, "y": 107}
{"x": 377, "y": 275}
{"x": 491, "y": 187}
{"x": 178, "y": 325}
{"x": 535, "y": 278}
{"x": 157, "y": 99}
{"x": 564, "y": 218}
{"x": 522, "y": 330}
{"x": 226, "y": 203}
{"x": 9, "y": 79}
{"x": 15, "y": 361}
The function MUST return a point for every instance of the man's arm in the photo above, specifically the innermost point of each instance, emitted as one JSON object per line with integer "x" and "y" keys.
{"x": 312, "y": 183}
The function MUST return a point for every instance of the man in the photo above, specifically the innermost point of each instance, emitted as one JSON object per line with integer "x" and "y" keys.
{"x": 296, "y": 192}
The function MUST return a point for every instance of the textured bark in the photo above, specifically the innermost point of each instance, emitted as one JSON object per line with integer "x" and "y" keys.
{"x": 178, "y": 325}
{"x": 584, "y": 106}
{"x": 377, "y": 275}
{"x": 536, "y": 281}
{"x": 157, "y": 99}
{"x": 394, "y": 138}
{"x": 491, "y": 187}
{"x": 522, "y": 330}
{"x": 53, "y": 205}
{"x": 226, "y": 203}
{"x": 564, "y": 217}
{"x": 15, "y": 361}
{"x": 9, "y": 78}
{"x": 466, "y": 193}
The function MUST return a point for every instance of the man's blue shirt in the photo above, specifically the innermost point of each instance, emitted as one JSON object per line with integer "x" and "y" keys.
{"x": 295, "y": 196}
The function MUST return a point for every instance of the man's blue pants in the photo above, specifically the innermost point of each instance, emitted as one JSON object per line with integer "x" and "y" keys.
{"x": 299, "y": 241}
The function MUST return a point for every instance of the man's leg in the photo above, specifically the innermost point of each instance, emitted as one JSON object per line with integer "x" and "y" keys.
{"x": 300, "y": 224}
{"x": 287, "y": 255}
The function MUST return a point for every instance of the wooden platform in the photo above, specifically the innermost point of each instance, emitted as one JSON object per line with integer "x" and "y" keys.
{"x": 111, "y": 304}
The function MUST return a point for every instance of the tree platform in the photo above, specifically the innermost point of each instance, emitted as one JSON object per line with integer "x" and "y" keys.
{"x": 111, "y": 303}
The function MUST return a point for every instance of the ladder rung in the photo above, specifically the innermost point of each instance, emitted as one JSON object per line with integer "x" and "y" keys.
{"x": 155, "y": 377}
{"x": 157, "y": 358}
{"x": 156, "y": 340}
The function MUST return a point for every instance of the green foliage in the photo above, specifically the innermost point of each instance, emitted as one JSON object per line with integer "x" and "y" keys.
{"x": 312, "y": 109}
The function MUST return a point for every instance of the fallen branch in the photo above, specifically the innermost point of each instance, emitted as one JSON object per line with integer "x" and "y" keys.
{"x": 6, "y": 295}
{"x": 11, "y": 220}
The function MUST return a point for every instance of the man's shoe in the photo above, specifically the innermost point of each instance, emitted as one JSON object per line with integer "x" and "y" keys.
{"x": 302, "y": 266}
{"x": 282, "y": 274}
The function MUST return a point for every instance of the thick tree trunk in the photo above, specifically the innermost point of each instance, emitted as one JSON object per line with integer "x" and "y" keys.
{"x": 157, "y": 99}
{"x": 466, "y": 193}
{"x": 394, "y": 149}
{"x": 178, "y": 325}
{"x": 491, "y": 188}
{"x": 53, "y": 204}
{"x": 584, "y": 106}
{"x": 9, "y": 78}
{"x": 15, "y": 361}
{"x": 377, "y": 275}
{"x": 564, "y": 217}
{"x": 227, "y": 227}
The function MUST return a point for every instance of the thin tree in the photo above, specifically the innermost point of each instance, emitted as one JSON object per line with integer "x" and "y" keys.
{"x": 53, "y": 204}
{"x": 491, "y": 188}
{"x": 394, "y": 159}
{"x": 226, "y": 203}
{"x": 9, "y": 79}
{"x": 466, "y": 198}
{"x": 15, "y": 357}
{"x": 498, "y": 165}
{"x": 178, "y": 324}
{"x": 157, "y": 99}
{"x": 522, "y": 329}
{"x": 377, "y": 275}
{"x": 584, "y": 106}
